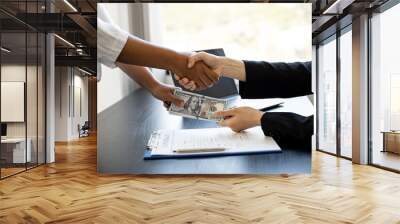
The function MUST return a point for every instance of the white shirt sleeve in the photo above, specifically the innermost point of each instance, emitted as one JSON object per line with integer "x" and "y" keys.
{"x": 110, "y": 39}
{"x": 110, "y": 42}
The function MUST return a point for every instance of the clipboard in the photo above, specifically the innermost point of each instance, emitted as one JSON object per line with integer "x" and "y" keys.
{"x": 162, "y": 143}
{"x": 148, "y": 156}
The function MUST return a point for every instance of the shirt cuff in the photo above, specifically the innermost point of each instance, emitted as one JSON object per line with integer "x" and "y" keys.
{"x": 111, "y": 40}
{"x": 269, "y": 124}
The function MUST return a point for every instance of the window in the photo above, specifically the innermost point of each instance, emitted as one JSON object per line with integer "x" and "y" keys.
{"x": 346, "y": 93}
{"x": 327, "y": 96}
{"x": 243, "y": 30}
{"x": 385, "y": 87}
{"x": 22, "y": 76}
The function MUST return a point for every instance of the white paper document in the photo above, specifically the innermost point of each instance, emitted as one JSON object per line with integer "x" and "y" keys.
{"x": 210, "y": 140}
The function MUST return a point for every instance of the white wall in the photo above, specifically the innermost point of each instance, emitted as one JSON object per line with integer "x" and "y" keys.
{"x": 67, "y": 115}
{"x": 80, "y": 82}
{"x": 33, "y": 126}
{"x": 61, "y": 103}
{"x": 16, "y": 73}
{"x": 314, "y": 96}
{"x": 114, "y": 84}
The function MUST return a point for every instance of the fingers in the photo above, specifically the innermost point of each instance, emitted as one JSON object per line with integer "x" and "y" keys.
{"x": 206, "y": 81}
{"x": 193, "y": 85}
{"x": 184, "y": 81}
{"x": 187, "y": 84}
{"x": 226, "y": 113}
{"x": 213, "y": 76}
{"x": 225, "y": 122}
{"x": 175, "y": 100}
{"x": 200, "y": 83}
{"x": 195, "y": 58}
{"x": 232, "y": 123}
{"x": 167, "y": 104}
{"x": 178, "y": 102}
{"x": 184, "y": 84}
{"x": 205, "y": 76}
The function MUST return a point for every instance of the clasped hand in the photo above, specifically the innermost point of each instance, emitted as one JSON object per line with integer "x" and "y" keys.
{"x": 237, "y": 119}
{"x": 213, "y": 62}
{"x": 197, "y": 71}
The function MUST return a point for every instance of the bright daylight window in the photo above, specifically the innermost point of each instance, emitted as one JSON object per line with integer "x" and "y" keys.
{"x": 327, "y": 96}
{"x": 346, "y": 94}
{"x": 271, "y": 32}
{"x": 385, "y": 86}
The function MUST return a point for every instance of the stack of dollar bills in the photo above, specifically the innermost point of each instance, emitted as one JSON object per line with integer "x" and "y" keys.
{"x": 198, "y": 106}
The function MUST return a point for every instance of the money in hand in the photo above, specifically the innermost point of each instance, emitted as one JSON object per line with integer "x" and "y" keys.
{"x": 198, "y": 106}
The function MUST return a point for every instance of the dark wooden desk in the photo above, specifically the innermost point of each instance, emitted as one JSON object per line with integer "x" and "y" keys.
{"x": 124, "y": 128}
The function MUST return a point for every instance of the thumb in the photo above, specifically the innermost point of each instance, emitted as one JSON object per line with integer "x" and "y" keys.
{"x": 193, "y": 59}
{"x": 175, "y": 100}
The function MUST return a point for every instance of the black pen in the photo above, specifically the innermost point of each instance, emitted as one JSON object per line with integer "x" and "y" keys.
{"x": 271, "y": 107}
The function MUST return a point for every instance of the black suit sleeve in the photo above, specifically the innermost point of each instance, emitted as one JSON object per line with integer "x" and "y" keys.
{"x": 276, "y": 80}
{"x": 282, "y": 80}
{"x": 289, "y": 130}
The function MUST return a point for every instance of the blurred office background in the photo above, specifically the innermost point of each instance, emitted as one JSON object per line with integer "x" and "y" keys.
{"x": 358, "y": 82}
{"x": 48, "y": 78}
{"x": 48, "y": 58}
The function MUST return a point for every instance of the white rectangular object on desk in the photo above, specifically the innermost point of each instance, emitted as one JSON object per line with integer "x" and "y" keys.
{"x": 300, "y": 105}
{"x": 197, "y": 141}
{"x": 12, "y": 101}
{"x": 19, "y": 155}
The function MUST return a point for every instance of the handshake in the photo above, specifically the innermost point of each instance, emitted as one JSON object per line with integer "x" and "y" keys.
{"x": 202, "y": 71}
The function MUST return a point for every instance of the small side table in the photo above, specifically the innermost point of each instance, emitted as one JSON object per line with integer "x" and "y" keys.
{"x": 391, "y": 141}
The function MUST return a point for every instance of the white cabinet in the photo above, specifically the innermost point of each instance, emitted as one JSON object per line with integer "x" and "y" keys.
{"x": 16, "y": 146}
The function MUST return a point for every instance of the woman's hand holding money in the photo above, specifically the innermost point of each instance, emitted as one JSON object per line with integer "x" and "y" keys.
{"x": 240, "y": 118}
{"x": 165, "y": 94}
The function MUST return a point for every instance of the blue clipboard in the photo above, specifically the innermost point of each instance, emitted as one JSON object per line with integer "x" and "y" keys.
{"x": 148, "y": 156}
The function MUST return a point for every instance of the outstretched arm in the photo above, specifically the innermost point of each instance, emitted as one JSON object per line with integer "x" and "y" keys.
{"x": 145, "y": 78}
{"x": 259, "y": 79}
{"x": 269, "y": 80}
{"x": 116, "y": 45}
{"x": 140, "y": 52}
{"x": 289, "y": 130}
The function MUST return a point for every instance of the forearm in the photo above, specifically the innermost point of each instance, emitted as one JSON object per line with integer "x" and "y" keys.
{"x": 140, "y": 74}
{"x": 142, "y": 53}
{"x": 290, "y": 130}
{"x": 269, "y": 80}
{"x": 233, "y": 68}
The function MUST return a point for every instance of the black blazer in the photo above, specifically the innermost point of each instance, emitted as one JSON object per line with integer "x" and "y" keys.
{"x": 281, "y": 80}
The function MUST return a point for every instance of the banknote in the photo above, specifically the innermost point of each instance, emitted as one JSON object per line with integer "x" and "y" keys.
{"x": 198, "y": 106}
